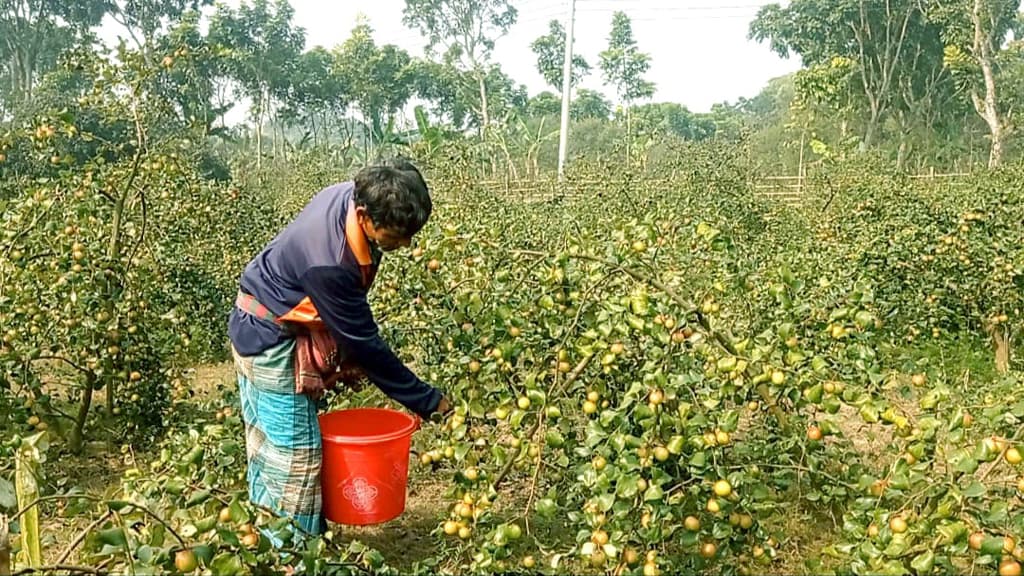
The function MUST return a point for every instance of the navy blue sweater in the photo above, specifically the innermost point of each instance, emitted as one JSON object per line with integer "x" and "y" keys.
{"x": 309, "y": 258}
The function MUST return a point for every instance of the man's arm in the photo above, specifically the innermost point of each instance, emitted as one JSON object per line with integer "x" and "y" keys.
{"x": 341, "y": 301}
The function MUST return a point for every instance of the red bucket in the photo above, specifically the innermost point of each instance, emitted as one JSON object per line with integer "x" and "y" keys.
{"x": 365, "y": 464}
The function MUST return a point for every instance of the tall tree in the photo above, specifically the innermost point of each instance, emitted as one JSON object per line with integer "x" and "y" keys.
{"x": 144, "y": 19}
{"x": 975, "y": 31}
{"x": 32, "y": 35}
{"x": 624, "y": 65}
{"x": 590, "y": 104}
{"x": 380, "y": 80}
{"x": 882, "y": 39}
{"x": 262, "y": 47}
{"x": 467, "y": 30}
{"x": 550, "y": 52}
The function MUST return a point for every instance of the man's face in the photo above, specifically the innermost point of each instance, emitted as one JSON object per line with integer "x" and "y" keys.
{"x": 385, "y": 239}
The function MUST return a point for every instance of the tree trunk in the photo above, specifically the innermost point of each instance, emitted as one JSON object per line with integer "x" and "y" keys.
{"x": 78, "y": 434}
{"x": 485, "y": 119}
{"x": 987, "y": 106}
{"x": 871, "y": 130}
{"x": 1001, "y": 343}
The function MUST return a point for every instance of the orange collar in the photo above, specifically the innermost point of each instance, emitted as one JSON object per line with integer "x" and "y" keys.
{"x": 355, "y": 238}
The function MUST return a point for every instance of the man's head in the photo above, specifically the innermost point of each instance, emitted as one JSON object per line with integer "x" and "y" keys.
{"x": 392, "y": 203}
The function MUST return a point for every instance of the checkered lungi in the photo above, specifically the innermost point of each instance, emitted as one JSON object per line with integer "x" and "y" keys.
{"x": 282, "y": 438}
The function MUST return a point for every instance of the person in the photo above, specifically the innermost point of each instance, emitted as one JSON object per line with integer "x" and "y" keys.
{"x": 301, "y": 323}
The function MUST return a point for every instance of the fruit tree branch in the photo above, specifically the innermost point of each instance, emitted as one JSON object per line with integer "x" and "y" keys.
{"x": 536, "y": 425}
{"x": 81, "y": 537}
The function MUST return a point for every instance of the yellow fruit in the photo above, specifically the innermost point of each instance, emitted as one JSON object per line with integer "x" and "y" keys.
{"x": 975, "y": 540}
{"x": 631, "y": 557}
{"x": 661, "y": 453}
{"x": 778, "y": 377}
{"x": 872, "y": 531}
{"x": 691, "y": 523}
{"x": 451, "y": 527}
{"x": 599, "y": 463}
{"x": 589, "y": 407}
{"x": 917, "y": 379}
{"x": 898, "y": 525}
{"x": 656, "y": 397}
{"x": 465, "y": 532}
{"x": 1009, "y": 544}
{"x": 746, "y": 522}
{"x": 523, "y": 402}
{"x": 597, "y": 558}
{"x": 722, "y": 437}
{"x": 1009, "y": 567}
{"x": 713, "y": 506}
{"x": 33, "y": 420}
{"x": 651, "y": 569}
{"x": 708, "y": 549}
{"x": 1012, "y": 455}
{"x": 722, "y": 488}
{"x": 250, "y": 540}
{"x": 225, "y": 515}
{"x": 471, "y": 474}
{"x": 599, "y": 537}
{"x": 528, "y": 562}
{"x": 813, "y": 433}
{"x": 185, "y": 561}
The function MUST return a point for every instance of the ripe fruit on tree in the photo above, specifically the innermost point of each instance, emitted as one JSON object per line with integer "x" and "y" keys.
{"x": 1009, "y": 567}
{"x": 691, "y": 523}
{"x": 722, "y": 488}
{"x": 898, "y": 525}
{"x": 434, "y": 265}
{"x": 917, "y": 379}
{"x": 528, "y": 562}
{"x": 975, "y": 540}
{"x": 250, "y": 540}
{"x": 1012, "y": 455}
{"x": 599, "y": 537}
{"x": 708, "y": 549}
{"x": 813, "y": 433}
{"x": 185, "y": 561}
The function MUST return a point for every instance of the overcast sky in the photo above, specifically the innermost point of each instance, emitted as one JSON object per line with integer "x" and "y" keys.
{"x": 700, "y": 54}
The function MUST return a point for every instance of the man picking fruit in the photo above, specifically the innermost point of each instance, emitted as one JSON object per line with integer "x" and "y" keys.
{"x": 302, "y": 322}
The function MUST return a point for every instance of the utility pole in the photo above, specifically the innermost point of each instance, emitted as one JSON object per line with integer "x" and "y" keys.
{"x": 563, "y": 138}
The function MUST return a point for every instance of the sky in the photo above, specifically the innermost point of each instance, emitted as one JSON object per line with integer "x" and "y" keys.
{"x": 700, "y": 54}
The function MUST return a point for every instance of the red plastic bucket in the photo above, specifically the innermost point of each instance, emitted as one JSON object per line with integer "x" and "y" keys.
{"x": 365, "y": 464}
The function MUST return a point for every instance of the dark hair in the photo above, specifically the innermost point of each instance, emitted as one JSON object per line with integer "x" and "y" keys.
{"x": 394, "y": 195}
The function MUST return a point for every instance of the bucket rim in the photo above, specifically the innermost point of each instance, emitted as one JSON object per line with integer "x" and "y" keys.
{"x": 407, "y": 430}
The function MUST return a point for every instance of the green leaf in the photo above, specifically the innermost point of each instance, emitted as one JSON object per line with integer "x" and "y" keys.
{"x": 992, "y": 545}
{"x": 7, "y": 497}
{"x": 924, "y": 562}
{"x": 654, "y": 492}
{"x": 605, "y": 502}
{"x": 898, "y": 546}
{"x": 226, "y": 564}
{"x": 975, "y": 490}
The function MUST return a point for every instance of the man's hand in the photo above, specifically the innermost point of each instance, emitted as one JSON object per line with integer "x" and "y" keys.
{"x": 443, "y": 407}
